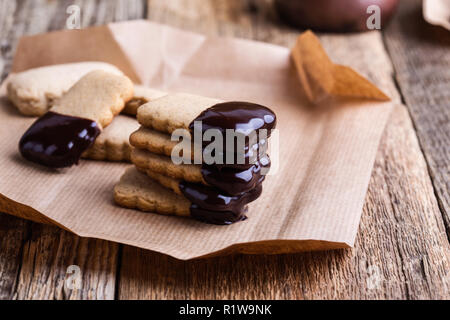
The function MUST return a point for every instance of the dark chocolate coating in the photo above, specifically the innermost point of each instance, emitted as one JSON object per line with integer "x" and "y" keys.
{"x": 251, "y": 155}
{"x": 235, "y": 181}
{"x": 233, "y": 185}
{"x": 216, "y": 217}
{"x": 57, "y": 140}
{"x": 243, "y": 117}
{"x": 209, "y": 204}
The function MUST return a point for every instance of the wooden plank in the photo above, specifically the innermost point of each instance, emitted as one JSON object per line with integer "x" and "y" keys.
{"x": 421, "y": 57}
{"x": 13, "y": 234}
{"x": 7, "y": 9}
{"x": 35, "y": 261}
{"x": 13, "y": 231}
{"x": 59, "y": 265}
{"x": 401, "y": 250}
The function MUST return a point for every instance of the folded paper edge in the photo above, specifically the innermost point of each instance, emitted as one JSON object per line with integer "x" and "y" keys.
{"x": 330, "y": 86}
{"x": 23, "y": 211}
{"x": 428, "y": 17}
{"x": 269, "y": 247}
{"x": 26, "y": 43}
{"x": 261, "y": 247}
{"x": 279, "y": 246}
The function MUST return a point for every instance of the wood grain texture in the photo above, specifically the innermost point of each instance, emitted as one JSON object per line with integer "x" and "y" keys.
{"x": 34, "y": 259}
{"x": 13, "y": 234}
{"x": 421, "y": 56}
{"x": 401, "y": 250}
{"x": 53, "y": 260}
{"x": 13, "y": 231}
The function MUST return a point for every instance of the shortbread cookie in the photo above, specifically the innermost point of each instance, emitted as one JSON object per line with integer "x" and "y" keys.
{"x": 137, "y": 191}
{"x": 113, "y": 143}
{"x": 164, "y": 165}
{"x": 154, "y": 141}
{"x": 142, "y": 95}
{"x": 34, "y": 91}
{"x": 159, "y": 143}
{"x": 59, "y": 137}
{"x": 230, "y": 180}
{"x": 168, "y": 182}
{"x": 98, "y": 96}
{"x": 173, "y": 111}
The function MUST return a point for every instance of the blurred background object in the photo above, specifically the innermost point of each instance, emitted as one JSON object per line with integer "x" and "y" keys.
{"x": 334, "y": 15}
{"x": 437, "y": 12}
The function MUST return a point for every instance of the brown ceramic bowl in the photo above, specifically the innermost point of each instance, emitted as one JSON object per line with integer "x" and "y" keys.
{"x": 333, "y": 15}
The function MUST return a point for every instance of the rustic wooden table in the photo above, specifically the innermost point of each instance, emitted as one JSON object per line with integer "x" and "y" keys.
{"x": 402, "y": 248}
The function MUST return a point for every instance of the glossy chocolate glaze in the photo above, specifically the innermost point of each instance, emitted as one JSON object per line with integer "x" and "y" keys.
{"x": 57, "y": 140}
{"x": 216, "y": 217}
{"x": 235, "y": 181}
{"x": 211, "y": 205}
{"x": 234, "y": 185}
{"x": 243, "y": 117}
{"x": 252, "y": 154}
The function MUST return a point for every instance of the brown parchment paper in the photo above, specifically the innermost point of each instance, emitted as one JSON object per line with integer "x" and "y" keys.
{"x": 321, "y": 78}
{"x": 313, "y": 202}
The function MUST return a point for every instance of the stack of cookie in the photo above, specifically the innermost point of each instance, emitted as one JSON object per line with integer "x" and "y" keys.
{"x": 170, "y": 178}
